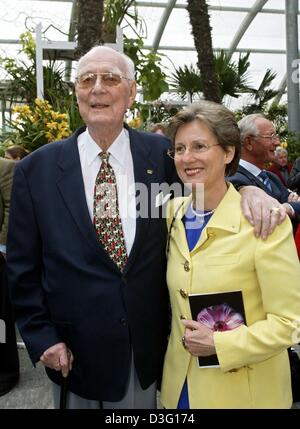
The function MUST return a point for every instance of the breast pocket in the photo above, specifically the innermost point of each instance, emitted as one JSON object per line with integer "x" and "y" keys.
{"x": 222, "y": 260}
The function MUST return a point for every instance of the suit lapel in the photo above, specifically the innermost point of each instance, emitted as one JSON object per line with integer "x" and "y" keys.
{"x": 276, "y": 186}
{"x": 145, "y": 172}
{"x": 71, "y": 187}
{"x": 253, "y": 179}
{"x": 177, "y": 231}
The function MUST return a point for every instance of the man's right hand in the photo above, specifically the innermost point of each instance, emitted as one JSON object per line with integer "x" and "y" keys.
{"x": 258, "y": 208}
{"x": 58, "y": 357}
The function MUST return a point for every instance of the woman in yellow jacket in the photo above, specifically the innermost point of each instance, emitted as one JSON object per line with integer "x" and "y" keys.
{"x": 211, "y": 250}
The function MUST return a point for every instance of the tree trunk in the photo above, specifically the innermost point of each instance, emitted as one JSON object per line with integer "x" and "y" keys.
{"x": 89, "y": 25}
{"x": 201, "y": 31}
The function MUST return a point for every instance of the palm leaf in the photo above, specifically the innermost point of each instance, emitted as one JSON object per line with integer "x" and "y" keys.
{"x": 187, "y": 81}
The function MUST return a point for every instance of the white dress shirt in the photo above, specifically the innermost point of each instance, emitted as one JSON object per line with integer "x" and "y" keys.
{"x": 121, "y": 161}
{"x": 250, "y": 167}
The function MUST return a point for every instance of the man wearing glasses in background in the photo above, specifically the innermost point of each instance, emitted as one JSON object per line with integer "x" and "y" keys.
{"x": 259, "y": 142}
{"x": 89, "y": 280}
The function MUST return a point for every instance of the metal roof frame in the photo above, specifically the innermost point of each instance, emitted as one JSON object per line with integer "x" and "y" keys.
{"x": 169, "y": 5}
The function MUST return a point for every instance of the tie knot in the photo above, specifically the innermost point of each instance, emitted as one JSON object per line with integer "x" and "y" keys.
{"x": 104, "y": 157}
{"x": 263, "y": 174}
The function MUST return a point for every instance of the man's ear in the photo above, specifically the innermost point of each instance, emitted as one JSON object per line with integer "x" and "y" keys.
{"x": 132, "y": 94}
{"x": 248, "y": 143}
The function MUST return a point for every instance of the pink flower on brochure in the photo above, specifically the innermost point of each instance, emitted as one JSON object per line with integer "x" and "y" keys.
{"x": 220, "y": 317}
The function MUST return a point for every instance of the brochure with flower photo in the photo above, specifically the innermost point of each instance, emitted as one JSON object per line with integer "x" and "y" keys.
{"x": 220, "y": 311}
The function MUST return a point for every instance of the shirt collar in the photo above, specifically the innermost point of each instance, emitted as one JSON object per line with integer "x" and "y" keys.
{"x": 118, "y": 149}
{"x": 225, "y": 217}
{"x": 250, "y": 167}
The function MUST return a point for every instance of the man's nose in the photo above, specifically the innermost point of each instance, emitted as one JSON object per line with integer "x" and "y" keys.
{"x": 98, "y": 84}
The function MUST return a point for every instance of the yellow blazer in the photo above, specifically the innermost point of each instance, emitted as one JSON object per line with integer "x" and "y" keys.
{"x": 6, "y": 177}
{"x": 254, "y": 367}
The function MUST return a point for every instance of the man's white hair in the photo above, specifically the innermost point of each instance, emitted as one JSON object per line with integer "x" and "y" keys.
{"x": 248, "y": 127}
{"x": 129, "y": 64}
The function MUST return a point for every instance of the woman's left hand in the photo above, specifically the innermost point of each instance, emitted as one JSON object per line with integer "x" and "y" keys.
{"x": 198, "y": 339}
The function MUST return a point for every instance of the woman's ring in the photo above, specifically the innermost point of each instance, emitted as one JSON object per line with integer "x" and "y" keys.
{"x": 183, "y": 341}
{"x": 275, "y": 210}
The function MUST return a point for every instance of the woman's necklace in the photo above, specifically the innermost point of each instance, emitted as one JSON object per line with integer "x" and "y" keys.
{"x": 202, "y": 214}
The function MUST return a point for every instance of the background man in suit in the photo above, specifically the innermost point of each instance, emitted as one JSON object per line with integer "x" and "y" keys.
{"x": 82, "y": 303}
{"x": 259, "y": 142}
{"x": 9, "y": 361}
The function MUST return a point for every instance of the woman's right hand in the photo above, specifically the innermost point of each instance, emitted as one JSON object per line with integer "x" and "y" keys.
{"x": 198, "y": 339}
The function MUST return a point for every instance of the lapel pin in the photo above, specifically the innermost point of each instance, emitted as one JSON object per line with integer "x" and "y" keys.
{"x": 149, "y": 171}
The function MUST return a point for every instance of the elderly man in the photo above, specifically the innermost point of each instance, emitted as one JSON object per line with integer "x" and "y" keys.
{"x": 259, "y": 142}
{"x": 9, "y": 360}
{"x": 89, "y": 288}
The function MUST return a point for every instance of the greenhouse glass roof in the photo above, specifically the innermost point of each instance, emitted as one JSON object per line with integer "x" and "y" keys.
{"x": 237, "y": 26}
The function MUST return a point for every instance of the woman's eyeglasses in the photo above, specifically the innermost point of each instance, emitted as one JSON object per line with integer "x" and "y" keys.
{"x": 88, "y": 80}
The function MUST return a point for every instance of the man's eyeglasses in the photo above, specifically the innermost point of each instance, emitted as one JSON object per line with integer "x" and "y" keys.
{"x": 195, "y": 149}
{"x": 88, "y": 80}
{"x": 273, "y": 136}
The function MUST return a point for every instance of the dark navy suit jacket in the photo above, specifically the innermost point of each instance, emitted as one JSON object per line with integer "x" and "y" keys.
{"x": 279, "y": 191}
{"x": 64, "y": 285}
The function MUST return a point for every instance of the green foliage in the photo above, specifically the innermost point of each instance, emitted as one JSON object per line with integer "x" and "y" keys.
{"x": 22, "y": 89}
{"x": 22, "y": 76}
{"x": 278, "y": 114}
{"x": 22, "y": 80}
{"x": 150, "y": 75}
{"x": 152, "y": 78}
{"x": 187, "y": 80}
{"x": 28, "y": 45}
{"x": 115, "y": 11}
{"x": 157, "y": 111}
{"x": 293, "y": 146}
{"x": 146, "y": 114}
{"x": 55, "y": 88}
{"x": 262, "y": 95}
{"x": 133, "y": 48}
{"x": 232, "y": 76}
{"x": 70, "y": 106}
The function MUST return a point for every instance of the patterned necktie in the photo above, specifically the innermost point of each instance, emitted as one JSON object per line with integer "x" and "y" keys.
{"x": 107, "y": 221}
{"x": 266, "y": 180}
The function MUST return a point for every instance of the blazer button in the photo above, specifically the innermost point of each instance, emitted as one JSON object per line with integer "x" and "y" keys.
{"x": 123, "y": 321}
{"x": 186, "y": 266}
{"x": 183, "y": 293}
{"x": 182, "y": 317}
